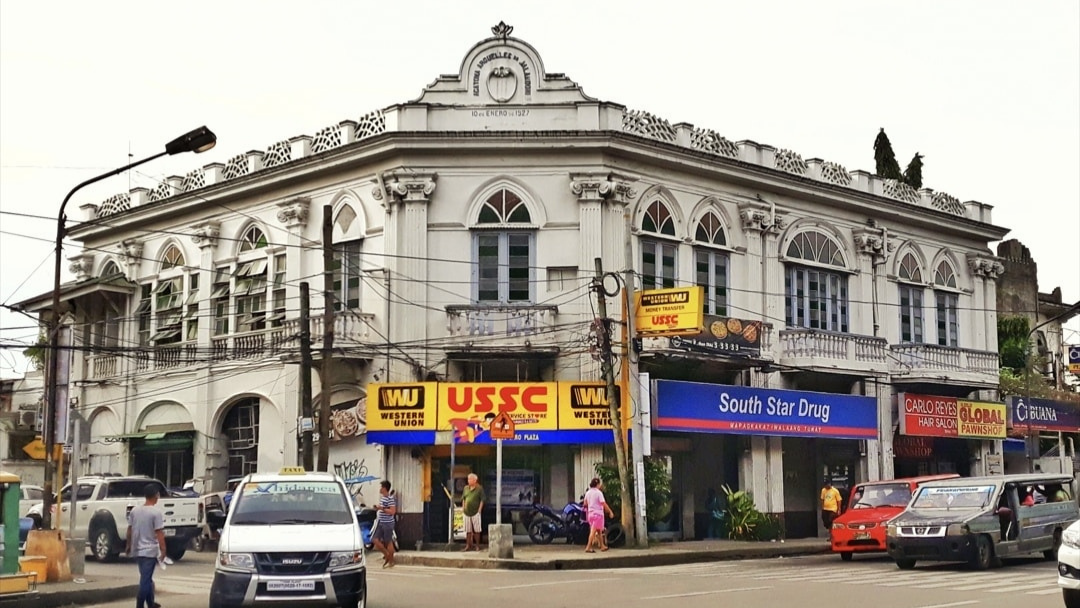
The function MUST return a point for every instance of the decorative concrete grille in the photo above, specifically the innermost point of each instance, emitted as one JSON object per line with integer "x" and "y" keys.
{"x": 115, "y": 204}
{"x": 708, "y": 140}
{"x": 370, "y": 124}
{"x": 326, "y": 139}
{"x": 236, "y": 167}
{"x": 193, "y": 181}
{"x": 947, "y": 203}
{"x": 277, "y": 154}
{"x": 900, "y": 191}
{"x": 791, "y": 162}
{"x": 647, "y": 125}
{"x": 834, "y": 173}
{"x": 163, "y": 191}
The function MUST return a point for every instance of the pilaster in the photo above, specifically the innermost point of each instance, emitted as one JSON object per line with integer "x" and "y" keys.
{"x": 294, "y": 214}
{"x": 872, "y": 248}
{"x": 985, "y": 270}
{"x": 762, "y": 224}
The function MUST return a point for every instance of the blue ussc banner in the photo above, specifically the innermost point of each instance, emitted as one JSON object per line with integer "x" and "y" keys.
{"x": 741, "y": 410}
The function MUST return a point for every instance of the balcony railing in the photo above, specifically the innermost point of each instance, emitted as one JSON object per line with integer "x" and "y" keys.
{"x": 921, "y": 358}
{"x": 502, "y": 321}
{"x": 350, "y": 327}
{"x": 172, "y": 356}
{"x": 832, "y": 349}
{"x": 104, "y": 366}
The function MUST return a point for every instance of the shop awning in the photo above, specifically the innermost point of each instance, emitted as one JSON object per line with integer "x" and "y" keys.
{"x": 71, "y": 291}
{"x": 155, "y": 432}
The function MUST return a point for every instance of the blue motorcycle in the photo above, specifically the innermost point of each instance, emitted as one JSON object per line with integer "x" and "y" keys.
{"x": 571, "y": 524}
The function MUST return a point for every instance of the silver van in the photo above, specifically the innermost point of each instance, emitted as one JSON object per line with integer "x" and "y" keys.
{"x": 980, "y": 520}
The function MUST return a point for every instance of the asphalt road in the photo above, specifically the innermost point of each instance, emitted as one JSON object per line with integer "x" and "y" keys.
{"x": 780, "y": 583}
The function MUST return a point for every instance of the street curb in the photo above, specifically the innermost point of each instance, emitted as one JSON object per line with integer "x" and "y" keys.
{"x": 73, "y": 597}
{"x": 666, "y": 558}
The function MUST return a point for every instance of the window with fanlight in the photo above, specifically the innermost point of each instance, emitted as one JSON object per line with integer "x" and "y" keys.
{"x": 658, "y": 247}
{"x": 504, "y": 251}
{"x": 172, "y": 302}
{"x": 947, "y": 304}
{"x": 910, "y": 283}
{"x": 816, "y": 289}
{"x": 711, "y": 263}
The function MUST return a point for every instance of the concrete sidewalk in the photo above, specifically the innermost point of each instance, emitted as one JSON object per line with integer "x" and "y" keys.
{"x": 560, "y": 556}
{"x": 91, "y": 590}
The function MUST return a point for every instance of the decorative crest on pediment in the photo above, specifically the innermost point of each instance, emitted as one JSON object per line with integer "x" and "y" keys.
{"x": 206, "y": 234}
{"x": 985, "y": 265}
{"x": 502, "y": 30}
{"x": 294, "y": 212}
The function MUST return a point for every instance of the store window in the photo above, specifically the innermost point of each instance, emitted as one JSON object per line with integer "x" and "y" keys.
{"x": 816, "y": 290}
{"x": 503, "y": 250}
{"x": 658, "y": 247}
{"x": 909, "y": 283}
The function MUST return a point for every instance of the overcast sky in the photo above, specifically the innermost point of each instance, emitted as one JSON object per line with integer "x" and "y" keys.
{"x": 987, "y": 90}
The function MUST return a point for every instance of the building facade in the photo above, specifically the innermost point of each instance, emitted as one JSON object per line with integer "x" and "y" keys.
{"x": 850, "y": 320}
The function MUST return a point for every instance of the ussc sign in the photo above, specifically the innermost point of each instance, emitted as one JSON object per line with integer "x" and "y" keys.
{"x": 543, "y": 412}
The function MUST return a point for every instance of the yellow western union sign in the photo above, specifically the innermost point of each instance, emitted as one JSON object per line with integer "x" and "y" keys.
{"x": 401, "y": 407}
{"x": 669, "y": 312}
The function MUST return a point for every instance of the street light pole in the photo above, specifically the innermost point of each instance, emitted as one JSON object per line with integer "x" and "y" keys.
{"x": 199, "y": 140}
{"x": 1032, "y": 445}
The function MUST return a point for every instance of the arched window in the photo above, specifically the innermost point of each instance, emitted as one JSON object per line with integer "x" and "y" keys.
{"x": 172, "y": 258}
{"x": 347, "y": 261}
{"x": 948, "y": 305}
{"x": 241, "y": 430}
{"x": 816, "y": 298}
{"x": 658, "y": 256}
{"x": 503, "y": 247}
{"x": 252, "y": 239}
{"x": 711, "y": 263}
{"x": 909, "y": 277}
{"x": 110, "y": 269}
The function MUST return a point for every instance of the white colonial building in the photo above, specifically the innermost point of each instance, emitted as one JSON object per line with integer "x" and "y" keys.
{"x": 465, "y": 225}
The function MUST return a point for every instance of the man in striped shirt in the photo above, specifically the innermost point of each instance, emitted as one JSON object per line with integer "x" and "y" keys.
{"x": 383, "y": 535}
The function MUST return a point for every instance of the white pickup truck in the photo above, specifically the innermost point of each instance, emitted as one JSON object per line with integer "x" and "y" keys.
{"x": 101, "y": 507}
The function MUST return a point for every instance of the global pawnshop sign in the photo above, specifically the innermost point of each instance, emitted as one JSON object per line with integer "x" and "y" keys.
{"x": 929, "y": 416}
{"x": 1043, "y": 415}
{"x": 742, "y": 410}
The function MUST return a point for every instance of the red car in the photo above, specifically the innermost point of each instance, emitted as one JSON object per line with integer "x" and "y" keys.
{"x": 861, "y": 528}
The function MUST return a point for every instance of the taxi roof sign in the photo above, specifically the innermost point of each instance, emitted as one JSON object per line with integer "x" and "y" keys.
{"x": 292, "y": 471}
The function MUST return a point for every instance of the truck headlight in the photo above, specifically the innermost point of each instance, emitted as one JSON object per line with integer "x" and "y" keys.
{"x": 957, "y": 530}
{"x": 342, "y": 559}
{"x": 240, "y": 561}
{"x": 1071, "y": 538}
{"x": 890, "y": 530}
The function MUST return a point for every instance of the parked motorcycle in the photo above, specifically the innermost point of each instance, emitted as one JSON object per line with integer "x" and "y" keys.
{"x": 572, "y": 524}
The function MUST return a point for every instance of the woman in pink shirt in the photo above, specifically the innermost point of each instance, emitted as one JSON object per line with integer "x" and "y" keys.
{"x": 595, "y": 508}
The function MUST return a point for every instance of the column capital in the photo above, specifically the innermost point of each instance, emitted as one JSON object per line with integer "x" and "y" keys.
{"x": 81, "y": 265}
{"x": 760, "y": 216}
{"x": 131, "y": 251}
{"x": 985, "y": 265}
{"x": 294, "y": 212}
{"x": 206, "y": 234}
{"x": 598, "y": 187}
{"x": 406, "y": 188}
{"x": 872, "y": 242}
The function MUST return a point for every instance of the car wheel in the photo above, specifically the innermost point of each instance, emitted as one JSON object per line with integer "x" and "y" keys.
{"x": 905, "y": 564}
{"x": 198, "y": 544}
{"x": 103, "y": 549}
{"x": 847, "y": 556}
{"x": 1071, "y": 597}
{"x": 1051, "y": 554}
{"x": 984, "y": 554}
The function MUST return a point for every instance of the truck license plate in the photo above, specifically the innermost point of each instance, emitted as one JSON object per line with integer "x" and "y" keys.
{"x": 170, "y": 531}
{"x": 862, "y": 535}
{"x": 290, "y": 585}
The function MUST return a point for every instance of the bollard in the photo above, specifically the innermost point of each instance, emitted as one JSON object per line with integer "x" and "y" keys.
{"x": 76, "y": 548}
{"x": 501, "y": 541}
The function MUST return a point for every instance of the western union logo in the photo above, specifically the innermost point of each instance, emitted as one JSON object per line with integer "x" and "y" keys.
{"x": 671, "y": 297}
{"x": 401, "y": 398}
{"x": 588, "y": 397}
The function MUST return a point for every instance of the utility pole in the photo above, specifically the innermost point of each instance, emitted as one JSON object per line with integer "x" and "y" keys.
{"x": 328, "y": 336}
{"x": 633, "y": 392}
{"x": 306, "y": 415}
{"x": 608, "y": 369}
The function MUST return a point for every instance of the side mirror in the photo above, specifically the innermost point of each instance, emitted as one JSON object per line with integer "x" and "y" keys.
{"x": 215, "y": 518}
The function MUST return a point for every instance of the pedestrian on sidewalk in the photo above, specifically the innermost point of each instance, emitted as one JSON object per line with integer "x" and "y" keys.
{"x": 383, "y": 534}
{"x": 595, "y": 509}
{"x": 472, "y": 505}
{"x": 717, "y": 508}
{"x": 146, "y": 543}
{"x": 830, "y": 505}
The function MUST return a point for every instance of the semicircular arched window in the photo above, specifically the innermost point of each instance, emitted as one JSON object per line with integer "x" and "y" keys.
{"x": 911, "y": 292}
{"x": 172, "y": 258}
{"x": 947, "y": 304}
{"x": 252, "y": 239}
{"x": 110, "y": 269}
{"x": 815, "y": 297}
{"x": 504, "y": 248}
{"x": 711, "y": 264}
{"x": 504, "y": 207}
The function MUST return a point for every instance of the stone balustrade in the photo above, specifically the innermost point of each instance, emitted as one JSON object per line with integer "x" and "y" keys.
{"x": 482, "y": 321}
{"x": 827, "y": 349}
{"x": 922, "y": 358}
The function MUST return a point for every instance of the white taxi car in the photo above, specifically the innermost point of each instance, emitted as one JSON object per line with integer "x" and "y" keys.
{"x": 1069, "y": 566}
{"x": 290, "y": 539}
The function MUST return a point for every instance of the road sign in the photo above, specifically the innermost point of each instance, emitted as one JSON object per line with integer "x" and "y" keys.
{"x": 36, "y": 449}
{"x": 1074, "y": 360}
{"x": 502, "y": 427}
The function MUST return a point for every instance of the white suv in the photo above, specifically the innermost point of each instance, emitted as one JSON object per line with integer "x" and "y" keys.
{"x": 1069, "y": 566}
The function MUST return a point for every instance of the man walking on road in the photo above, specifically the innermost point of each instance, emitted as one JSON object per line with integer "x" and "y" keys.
{"x": 830, "y": 505}
{"x": 146, "y": 543}
{"x": 472, "y": 505}
{"x": 383, "y": 535}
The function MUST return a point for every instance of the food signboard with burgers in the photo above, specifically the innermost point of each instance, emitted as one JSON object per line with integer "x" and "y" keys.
{"x": 724, "y": 335}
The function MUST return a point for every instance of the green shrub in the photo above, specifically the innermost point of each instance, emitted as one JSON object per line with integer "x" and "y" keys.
{"x": 745, "y": 522}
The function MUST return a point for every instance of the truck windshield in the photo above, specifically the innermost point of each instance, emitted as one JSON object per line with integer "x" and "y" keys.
{"x": 885, "y": 495}
{"x": 958, "y": 497}
{"x": 290, "y": 503}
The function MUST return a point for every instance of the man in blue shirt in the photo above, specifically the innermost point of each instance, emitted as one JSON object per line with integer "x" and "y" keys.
{"x": 383, "y": 534}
